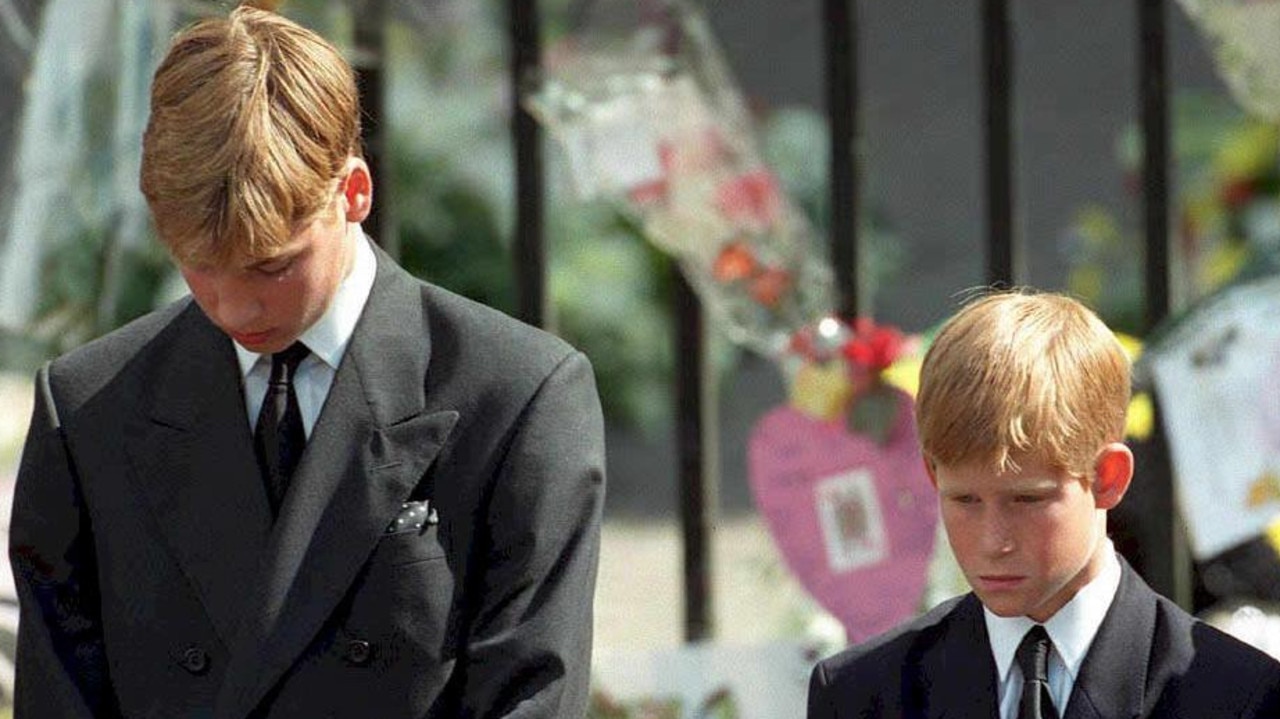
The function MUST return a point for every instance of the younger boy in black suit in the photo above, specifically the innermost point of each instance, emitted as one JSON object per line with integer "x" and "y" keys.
{"x": 1021, "y": 414}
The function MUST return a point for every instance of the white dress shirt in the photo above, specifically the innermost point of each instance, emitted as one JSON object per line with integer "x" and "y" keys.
{"x": 327, "y": 339}
{"x": 1071, "y": 630}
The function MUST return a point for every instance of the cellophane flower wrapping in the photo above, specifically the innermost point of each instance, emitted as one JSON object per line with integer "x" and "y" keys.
{"x": 651, "y": 120}
{"x": 1245, "y": 39}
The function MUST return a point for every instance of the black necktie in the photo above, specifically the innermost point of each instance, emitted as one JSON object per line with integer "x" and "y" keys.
{"x": 279, "y": 437}
{"x": 1033, "y": 659}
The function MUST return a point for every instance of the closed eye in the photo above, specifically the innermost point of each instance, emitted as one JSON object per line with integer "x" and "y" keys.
{"x": 274, "y": 268}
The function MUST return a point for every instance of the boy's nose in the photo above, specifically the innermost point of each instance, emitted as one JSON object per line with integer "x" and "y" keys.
{"x": 237, "y": 310}
{"x": 1000, "y": 545}
{"x": 997, "y": 537}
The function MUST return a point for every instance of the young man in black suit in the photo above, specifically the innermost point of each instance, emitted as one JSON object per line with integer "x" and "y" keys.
{"x": 318, "y": 487}
{"x": 1021, "y": 413}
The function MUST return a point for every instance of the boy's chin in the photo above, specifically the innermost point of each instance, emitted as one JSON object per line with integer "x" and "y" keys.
{"x": 1003, "y": 608}
{"x": 1007, "y": 604}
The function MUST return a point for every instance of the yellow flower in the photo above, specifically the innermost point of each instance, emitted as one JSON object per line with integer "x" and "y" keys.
{"x": 1086, "y": 281}
{"x": 1141, "y": 416}
{"x": 1248, "y": 153}
{"x": 1223, "y": 264}
{"x": 905, "y": 373}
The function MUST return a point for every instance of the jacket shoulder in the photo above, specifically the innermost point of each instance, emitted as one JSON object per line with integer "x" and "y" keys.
{"x": 464, "y": 333}
{"x": 880, "y": 662}
{"x": 1198, "y": 665}
{"x": 488, "y": 340}
{"x": 83, "y": 371}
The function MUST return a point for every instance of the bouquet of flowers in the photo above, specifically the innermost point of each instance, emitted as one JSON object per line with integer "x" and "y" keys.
{"x": 655, "y": 125}
{"x": 842, "y": 372}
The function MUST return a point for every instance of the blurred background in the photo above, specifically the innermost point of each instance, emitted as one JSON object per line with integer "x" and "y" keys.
{"x": 77, "y": 258}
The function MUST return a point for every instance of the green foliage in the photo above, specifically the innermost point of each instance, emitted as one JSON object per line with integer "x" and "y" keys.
{"x": 608, "y": 288}
{"x": 448, "y": 230}
{"x": 1226, "y": 213}
{"x": 74, "y": 305}
{"x": 1106, "y": 269}
{"x": 94, "y": 273}
{"x": 611, "y": 291}
{"x": 453, "y": 204}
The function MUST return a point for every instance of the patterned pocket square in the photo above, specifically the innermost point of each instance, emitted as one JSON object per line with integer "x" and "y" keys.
{"x": 413, "y": 517}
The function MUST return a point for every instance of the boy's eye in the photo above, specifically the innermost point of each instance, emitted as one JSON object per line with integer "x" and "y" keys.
{"x": 1028, "y": 498}
{"x": 964, "y": 499}
{"x": 275, "y": 268}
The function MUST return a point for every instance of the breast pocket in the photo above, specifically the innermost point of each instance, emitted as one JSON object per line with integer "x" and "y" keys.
{"x": 410, "y": 547}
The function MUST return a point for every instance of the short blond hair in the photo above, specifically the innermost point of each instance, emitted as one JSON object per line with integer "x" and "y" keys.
{"x": 252, "y": 120}
{"x": 1022, "y": 374}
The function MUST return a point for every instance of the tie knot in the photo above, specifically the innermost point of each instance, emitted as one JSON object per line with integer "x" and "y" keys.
{"x": 1033, "y": 654}
{"x": 285, "y": 362}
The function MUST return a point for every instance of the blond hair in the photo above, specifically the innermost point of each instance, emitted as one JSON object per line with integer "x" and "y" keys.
{"x": 252, "y": 120}
{"x": 1022, "y": 374}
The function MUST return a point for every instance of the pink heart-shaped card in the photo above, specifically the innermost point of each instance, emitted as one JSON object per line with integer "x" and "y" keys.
{"x": 855, "y": 521}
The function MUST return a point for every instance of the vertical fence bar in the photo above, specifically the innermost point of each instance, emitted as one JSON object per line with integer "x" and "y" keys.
{"x": 1002, "y": 257}
{"x": 371, "y": 48}
{"x": 529, "y": 255}
{"x": 697, "y": 423}
{"x": 696, "y": 447}
{"x": 1168, "y": 556}
{"x": 840, "y": 39}
{"x": 1155, "y": 172}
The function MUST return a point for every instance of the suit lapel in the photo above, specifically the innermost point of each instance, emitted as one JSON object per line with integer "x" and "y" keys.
{"x": 193, "y": 459}
{"x": 1113, "y": 678}
{"x": 957, "y": 674}
{"x": 372, "y": 444}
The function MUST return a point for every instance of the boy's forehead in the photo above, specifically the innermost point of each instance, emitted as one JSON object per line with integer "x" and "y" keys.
{"x": 237, "y": 259}
{"x": 1028, "y": 473}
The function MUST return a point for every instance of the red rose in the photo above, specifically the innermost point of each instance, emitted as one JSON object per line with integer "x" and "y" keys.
{"x": 873, "y": 347}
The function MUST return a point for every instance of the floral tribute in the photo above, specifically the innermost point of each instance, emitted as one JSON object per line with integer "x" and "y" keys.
{"x": 656, "y": 126}
{"x": 1227, "y": 226}
{"x": 1245, "y": 38}
{"x": 838, "y": 478}
{"x": 842, "y": 373}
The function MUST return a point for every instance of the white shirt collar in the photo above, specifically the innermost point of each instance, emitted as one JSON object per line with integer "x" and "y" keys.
{"x": 329, "y": 336}
{"x": 1071, "y": 629}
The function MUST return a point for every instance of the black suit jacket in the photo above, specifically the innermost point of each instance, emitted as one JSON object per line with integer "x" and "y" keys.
{"x": 1149, "y": 659}
{"x": 153, "y": 582}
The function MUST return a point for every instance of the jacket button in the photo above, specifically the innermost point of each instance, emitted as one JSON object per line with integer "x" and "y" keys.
{"x": 195, "y": 660}
{"x": 359, "y": 652}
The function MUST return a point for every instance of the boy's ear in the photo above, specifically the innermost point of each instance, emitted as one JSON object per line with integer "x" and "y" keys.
{"x": 1112, "y": 472}
{"x": 357, "y": 189}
